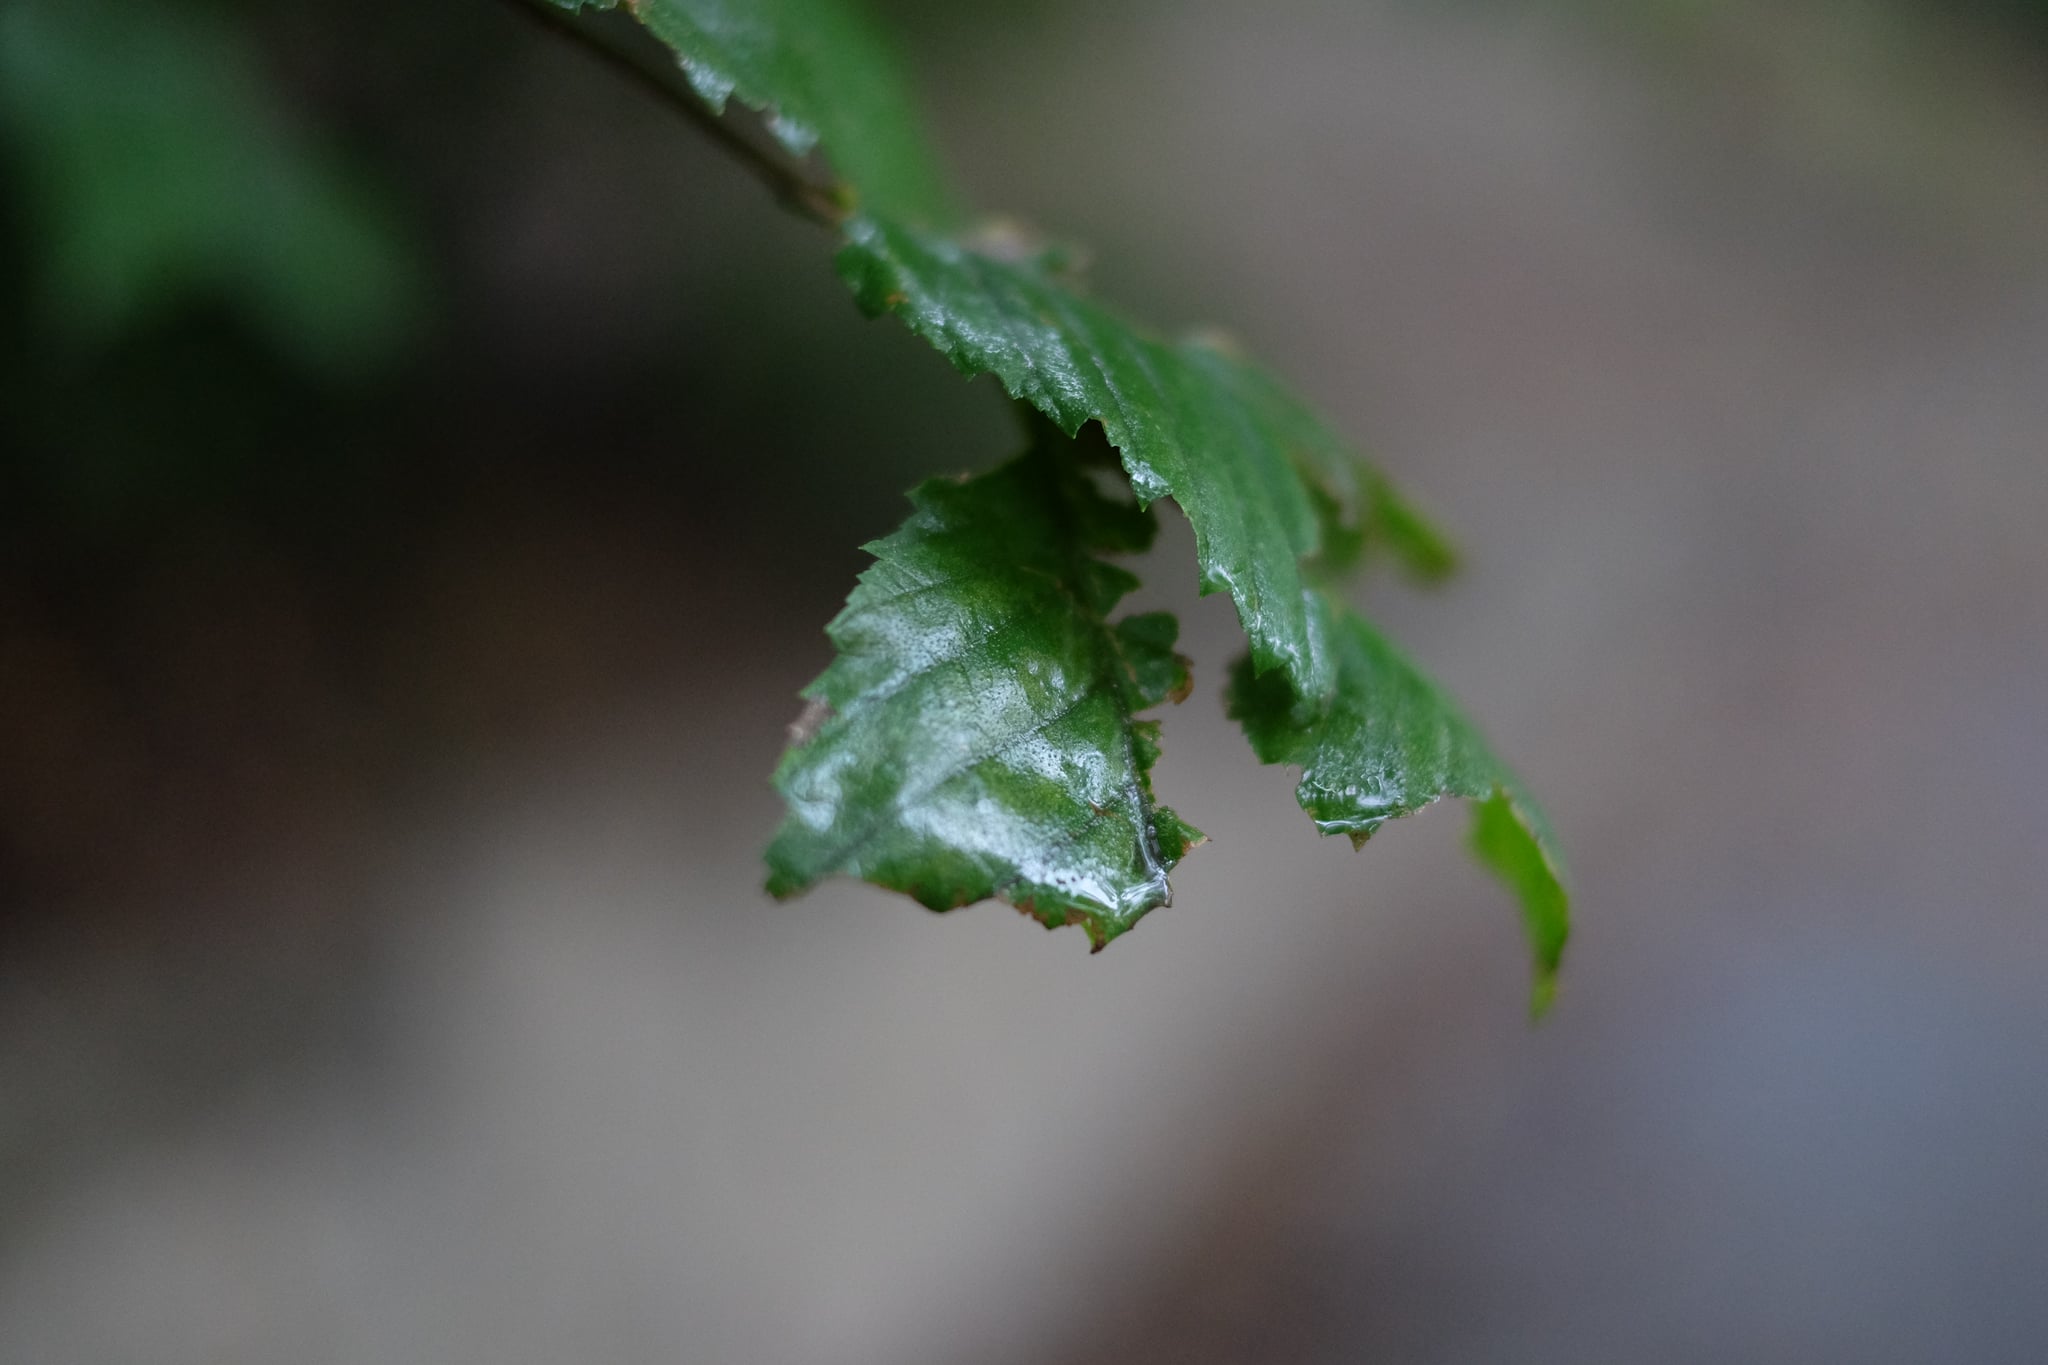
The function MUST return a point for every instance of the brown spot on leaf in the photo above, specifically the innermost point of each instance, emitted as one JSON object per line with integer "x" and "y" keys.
{"x": 1005, "y": 239}
{"x": 1186, "y": 684}
{"x": 809, "y": 721}
{"x": 1217, "y": 339}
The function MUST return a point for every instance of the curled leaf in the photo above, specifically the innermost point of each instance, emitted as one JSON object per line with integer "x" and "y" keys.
{"x": 1391, "y": 742}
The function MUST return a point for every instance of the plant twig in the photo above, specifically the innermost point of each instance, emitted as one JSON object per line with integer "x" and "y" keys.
{"x": 782, "y": 174}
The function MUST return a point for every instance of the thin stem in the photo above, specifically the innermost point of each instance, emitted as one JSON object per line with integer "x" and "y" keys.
{"x": 783, "y": 175}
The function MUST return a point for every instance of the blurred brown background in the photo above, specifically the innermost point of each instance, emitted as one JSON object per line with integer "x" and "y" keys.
{"x": 429, "y": 468}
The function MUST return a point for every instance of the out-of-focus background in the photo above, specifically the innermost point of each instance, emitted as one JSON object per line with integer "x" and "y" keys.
{"x": 428, "y": 468}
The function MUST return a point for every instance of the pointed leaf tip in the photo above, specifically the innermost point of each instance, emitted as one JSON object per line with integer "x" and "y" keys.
{"x": 1391, "y": 742}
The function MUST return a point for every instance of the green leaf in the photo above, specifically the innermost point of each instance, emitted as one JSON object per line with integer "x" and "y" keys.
{"x": 1385, "y": 521}
{"x": 976, "y": 735}
{"x": 974, "y": 738}
{"x": 1263, "y": 482}
{"x": 823, "y": 76}
{"x": 1390, "y": 743}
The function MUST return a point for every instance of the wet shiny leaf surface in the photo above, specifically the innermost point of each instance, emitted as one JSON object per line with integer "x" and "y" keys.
{"x": 975, "y": 738}
{"x": 1263, "y": 482}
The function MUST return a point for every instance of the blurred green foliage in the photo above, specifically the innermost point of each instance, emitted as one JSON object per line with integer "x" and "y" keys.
{"x": 158, "y": 167}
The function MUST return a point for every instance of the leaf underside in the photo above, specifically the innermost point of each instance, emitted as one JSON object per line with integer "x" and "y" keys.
{"x": 821, "y": 75}
{"x": 977, "y": 737}
{"x": 1390, "y": 743}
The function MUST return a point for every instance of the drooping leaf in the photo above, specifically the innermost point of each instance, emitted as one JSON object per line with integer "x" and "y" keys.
{"x": 1259, "y": 477}
{"x": 823, "y": 76}
{"x": 1390, "y": 743}
{"x": 975, "y": 737}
